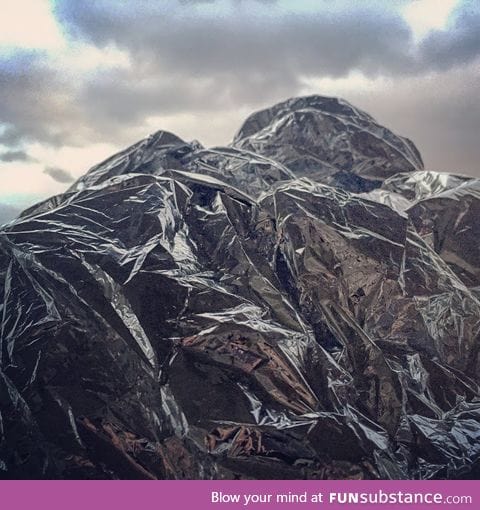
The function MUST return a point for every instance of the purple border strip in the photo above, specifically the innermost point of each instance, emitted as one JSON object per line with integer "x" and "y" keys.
{"x": 133, "y": 495}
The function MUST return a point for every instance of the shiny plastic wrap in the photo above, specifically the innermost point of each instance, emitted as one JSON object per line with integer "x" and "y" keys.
{"x": 187, "y": 313}
{"x": 328, "y": 140}
{"x": 444, "y": 209}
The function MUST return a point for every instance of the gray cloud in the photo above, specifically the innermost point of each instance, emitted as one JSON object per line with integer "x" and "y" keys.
{"x": 330, "y": 42}
{"x": 10, "y": 136}
{"x": 199, "y": 64}
{"x": 454, "y": 47}
{"x": 440, "y": 112}
{"x": 193, "y": 2}
{"x": 59, "y": 174}
{"x": 244, "y": 44}
{"x": 8, "y": 213}
{"x": 14, "y": 155}
{"x": 37, "y": 103}
{"x": 186, "y": 2}
{"x": 183, "y": 62}
{"x": 208, "y": 66}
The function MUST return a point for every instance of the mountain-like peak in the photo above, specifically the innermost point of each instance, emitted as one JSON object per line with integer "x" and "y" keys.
{"x": 329, "y": 140}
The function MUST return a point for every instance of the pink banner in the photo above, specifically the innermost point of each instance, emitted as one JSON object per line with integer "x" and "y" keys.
{"x": 217, "y": 495}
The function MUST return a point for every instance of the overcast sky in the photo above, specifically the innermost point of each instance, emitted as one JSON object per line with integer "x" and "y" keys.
{"x": 80, "y": 80}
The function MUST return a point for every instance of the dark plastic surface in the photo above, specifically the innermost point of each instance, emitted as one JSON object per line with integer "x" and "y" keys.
{"x": 185, "y": 312}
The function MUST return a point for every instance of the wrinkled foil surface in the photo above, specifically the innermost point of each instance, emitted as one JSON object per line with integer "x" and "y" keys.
{"x": 301, "y": 304}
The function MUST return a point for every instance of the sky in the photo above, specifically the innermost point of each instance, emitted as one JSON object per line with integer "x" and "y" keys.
{"x": 80, "y": 81}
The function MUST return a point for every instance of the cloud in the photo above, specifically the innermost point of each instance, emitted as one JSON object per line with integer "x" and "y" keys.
{"x": 439, "y": 111}
{"x": 176, "y": 59}
{"x": 242, "y": 43}
{"x": 199, "y": 67}
{"x": 196, "y": 1}
{"x": 59, "y": 174}
{"x": 29, "y": 23}
{"x": 10, "y": 136}
{"x": 326, "y": 41}
{"x": 8, "y": 213}
{"x": 460, "y": 45}
{"x": 194, "y": 61}
{"x": 425, "y": 15}
{"x": 37, "y": 101}
{"x": 15, "y": 155}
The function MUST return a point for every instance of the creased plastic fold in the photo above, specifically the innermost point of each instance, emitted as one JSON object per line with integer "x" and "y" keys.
{"x": 184, "y": 312}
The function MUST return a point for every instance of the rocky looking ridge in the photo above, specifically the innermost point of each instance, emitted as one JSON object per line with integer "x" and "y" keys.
{"x": 301, "y": 304}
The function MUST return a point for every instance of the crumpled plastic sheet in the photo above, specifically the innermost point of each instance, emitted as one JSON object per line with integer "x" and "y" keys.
{"x": 188, "y": 313}
{"x": 328, "y": 140}
{"x": 444, "y": 209}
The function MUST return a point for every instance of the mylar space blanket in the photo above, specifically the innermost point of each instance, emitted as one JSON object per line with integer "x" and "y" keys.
{"x": 301, "y": 304}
